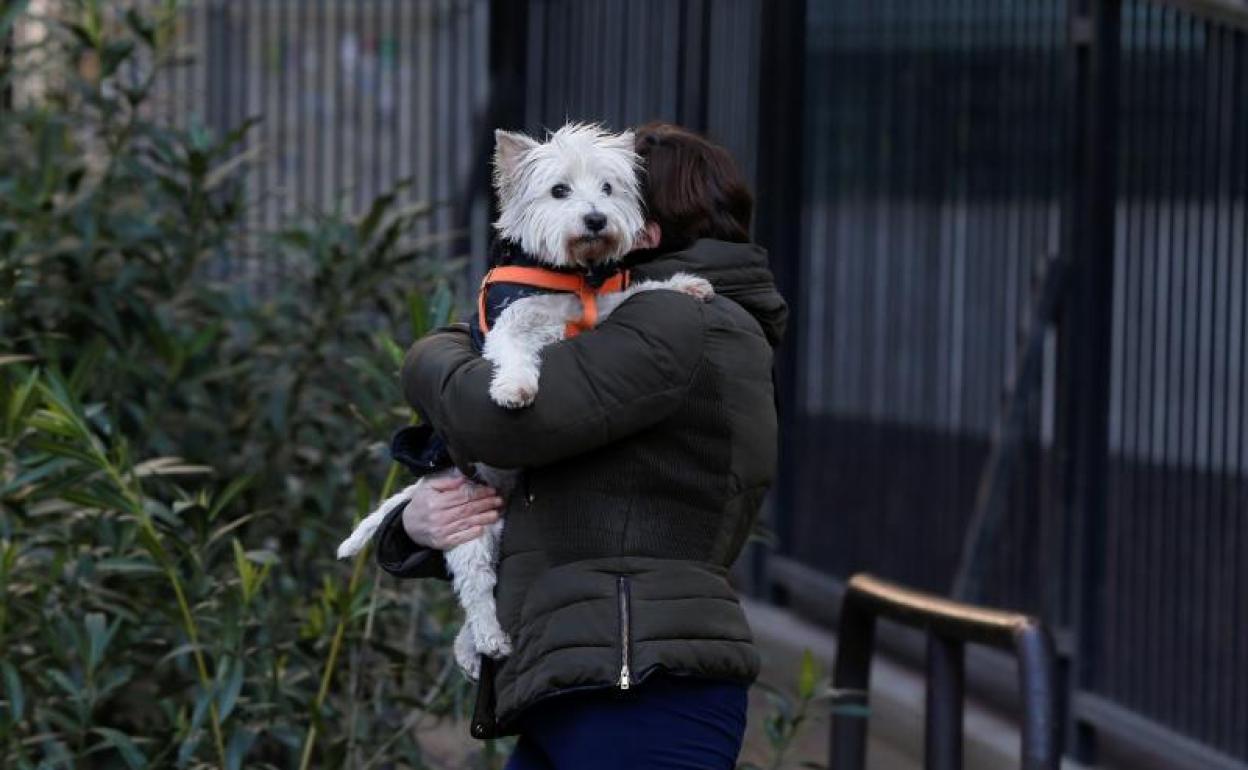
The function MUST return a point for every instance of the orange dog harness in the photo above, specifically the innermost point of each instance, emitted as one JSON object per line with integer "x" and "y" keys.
{"x": 554, "y": 281}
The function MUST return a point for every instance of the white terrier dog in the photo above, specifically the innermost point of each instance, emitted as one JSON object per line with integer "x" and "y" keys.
{"x": 572, "y": 205}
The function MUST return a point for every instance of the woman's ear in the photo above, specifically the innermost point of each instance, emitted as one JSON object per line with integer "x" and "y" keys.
{"x": 650, "y": 236}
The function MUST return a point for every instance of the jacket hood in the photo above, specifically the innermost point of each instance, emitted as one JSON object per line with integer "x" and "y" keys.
{"x": 738, "y": 271}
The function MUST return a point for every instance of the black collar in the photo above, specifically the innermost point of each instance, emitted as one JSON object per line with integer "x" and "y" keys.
{"x": 508, "y": 252}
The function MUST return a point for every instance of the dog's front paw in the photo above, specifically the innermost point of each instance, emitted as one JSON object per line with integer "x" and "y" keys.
{"x": 469, "y": 664}
{"x": 493, "y": 642}
{"x": 466, "y": 656}
{"x": 698, "y": 288}
{"x": 513, "y": 391}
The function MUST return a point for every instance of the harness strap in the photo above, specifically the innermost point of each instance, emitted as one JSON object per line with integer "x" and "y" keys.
{"x": 552, "y": 280}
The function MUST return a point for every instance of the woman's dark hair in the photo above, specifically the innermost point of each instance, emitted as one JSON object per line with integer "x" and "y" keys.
{"x": 691, "y": 187}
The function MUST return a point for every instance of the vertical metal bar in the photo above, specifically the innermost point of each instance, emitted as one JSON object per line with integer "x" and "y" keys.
{"x": 959, "y": 203}
{"x": 1118, "y": 578}
{"x": 1239, "y": 715}
{"x": 299, "y": 139}
{"x": 1037, "y": 685}
{"x": 1176, "y": 686}
{"x": 1217, "y": 606}
{"x": 1167, "y": 412}
{"x": 1086, "y": 329}
{"x": 281, "y": 135}
{"x": 1128, "y": 501}
{"x": 1196, "y": 298}
{"x": 780, "y": 193}
{"x": 321, "y": 117}
{"x": 395, "y": 94}
{"x": 344, "y": 43}
{"x": 378, "y": 180}
{"x": 1220, "y": 537}
{"x": 884, "y": 202}
{"x": 1151, "y": 459}
{"x": 1053, "y": 188}
{"x": 263, "y": 71}
{"x": 942, "y": 738}
{"x": 851, "y": 679}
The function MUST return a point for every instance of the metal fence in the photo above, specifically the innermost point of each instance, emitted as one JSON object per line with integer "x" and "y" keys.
{"x": 951, "y": 148}
{"x": 351, "y": 97}
{"x": 623, "y": 62}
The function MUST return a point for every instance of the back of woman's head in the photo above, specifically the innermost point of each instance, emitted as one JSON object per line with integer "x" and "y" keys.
{"x": 691, "y": 187}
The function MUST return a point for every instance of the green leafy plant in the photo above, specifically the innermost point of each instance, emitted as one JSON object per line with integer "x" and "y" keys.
{"x": 789, "y": 713}
{"x": 180, "y": 452}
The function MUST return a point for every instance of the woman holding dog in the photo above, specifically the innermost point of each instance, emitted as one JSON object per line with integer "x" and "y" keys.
{"x": 647, "y": 453}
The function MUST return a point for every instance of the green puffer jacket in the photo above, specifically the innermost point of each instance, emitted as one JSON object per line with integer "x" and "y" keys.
{"x": 647, "y": 454}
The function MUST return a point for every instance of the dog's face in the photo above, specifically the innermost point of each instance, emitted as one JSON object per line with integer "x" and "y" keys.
{"x": 571, "y": 201}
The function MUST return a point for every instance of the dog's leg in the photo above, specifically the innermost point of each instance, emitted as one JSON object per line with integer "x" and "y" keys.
{"x": 515, "y": 342}
{"x": 685, "y": 283}
{"x": 473, "y": 578}
{"x": 466, "y": 655}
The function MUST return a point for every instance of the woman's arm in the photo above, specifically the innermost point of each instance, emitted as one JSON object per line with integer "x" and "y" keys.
{"x": 629, "y": 373}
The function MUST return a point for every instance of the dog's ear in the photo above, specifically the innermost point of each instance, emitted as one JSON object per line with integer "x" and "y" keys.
{"x": 509, "y": 148}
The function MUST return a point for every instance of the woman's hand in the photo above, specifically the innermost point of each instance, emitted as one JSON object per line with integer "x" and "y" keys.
{"x": 448, "y": 510}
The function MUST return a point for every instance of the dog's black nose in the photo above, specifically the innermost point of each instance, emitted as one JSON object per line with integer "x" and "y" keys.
{"x": 595, "y": 222}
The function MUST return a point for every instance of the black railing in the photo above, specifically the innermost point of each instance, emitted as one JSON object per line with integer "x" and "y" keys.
{"x": 949, "y": 627}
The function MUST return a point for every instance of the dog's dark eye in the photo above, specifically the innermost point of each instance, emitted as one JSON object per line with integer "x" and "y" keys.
{"x": 606, "y": 188}
{"x": 560, "y": 191}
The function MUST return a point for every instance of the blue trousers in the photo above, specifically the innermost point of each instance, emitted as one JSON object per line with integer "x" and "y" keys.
{"x": 664, "y": 723}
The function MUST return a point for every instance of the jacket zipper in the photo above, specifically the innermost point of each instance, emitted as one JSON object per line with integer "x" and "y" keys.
{"x": 622, "y": 589}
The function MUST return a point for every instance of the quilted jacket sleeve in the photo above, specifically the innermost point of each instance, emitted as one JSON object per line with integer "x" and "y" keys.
{"x": 626, "y": 375}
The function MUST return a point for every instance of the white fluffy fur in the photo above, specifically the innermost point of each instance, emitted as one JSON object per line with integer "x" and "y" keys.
{"x": 583, "y": 157}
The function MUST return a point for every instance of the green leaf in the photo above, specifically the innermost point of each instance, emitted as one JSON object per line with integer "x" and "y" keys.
{"x": 202, "y": 703}
{"x": 232, "y": 685}
{"x": 223, "y": 498}
{"x": 99, "y": 635}
{"x": 63, "y": 681}
{"x": 124, "y": 745}
{"x": 240, "y": 743}
{"x": 113, "y": 55}
{"x": 238, "y": 134}
{"x": 187, "y": 750}
{"x": 808, "y": 678}
{"x": 127, "y": 566}
{"x": 13, "y": 691}
{"x": 391, "y": 348}
{"x": 84, "y": 35}
{"x": 170, "y": 466}
{"x": 376, "y": 211}
{"x": 179, "y": 651}
{"x": 141, "y": 26}
{"x": 440, "y": 308}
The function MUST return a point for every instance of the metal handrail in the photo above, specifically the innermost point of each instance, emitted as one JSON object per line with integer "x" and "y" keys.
{"x": 949, "y": 626}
